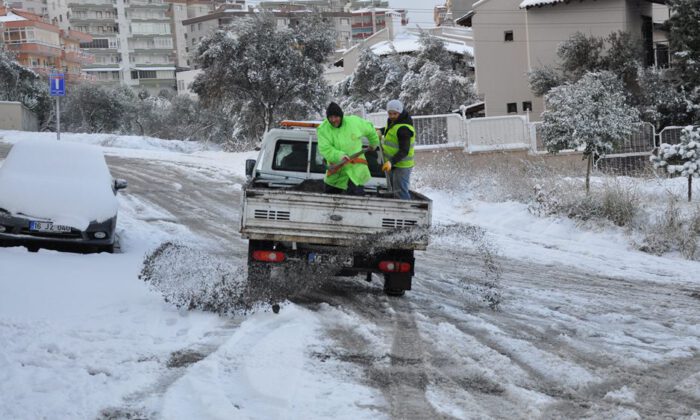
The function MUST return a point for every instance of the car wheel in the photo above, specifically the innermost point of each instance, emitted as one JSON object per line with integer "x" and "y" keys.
{"x": 106, "y": 248}
{"x": 395, "y": 292}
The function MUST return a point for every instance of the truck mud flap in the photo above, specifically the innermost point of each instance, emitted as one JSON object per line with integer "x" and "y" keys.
{"x": 397, "y": 281}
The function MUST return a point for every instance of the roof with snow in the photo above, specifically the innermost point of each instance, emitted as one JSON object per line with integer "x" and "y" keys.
{"x": 407, "y": 42}
{"x": 526, "y": 4}
{"x": 11, "y": 17}
{"x": 531, "y": 3}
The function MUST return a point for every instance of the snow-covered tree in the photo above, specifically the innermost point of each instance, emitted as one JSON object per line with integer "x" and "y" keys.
{"x": 261, "y": 74}
{"x": 661, "y": 102}
{"x": 581, "y": 54}
{"x": 590, "y": 115}
{"x": 433, "y": 90}
{"x": 18, "y": 83}
{"x": 432, "y": 81}
{"x": 681, "y": 159}
{"x": 618, "y": 53}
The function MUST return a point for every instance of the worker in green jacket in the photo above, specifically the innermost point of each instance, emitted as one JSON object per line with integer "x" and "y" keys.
{"x": 339, "y": 139}
{"x": 398, "y": 148}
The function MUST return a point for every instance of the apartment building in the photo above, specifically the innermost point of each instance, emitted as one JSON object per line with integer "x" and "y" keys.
{"x": 199, "y": 27}
{"x": 513, "y": 37}
{"x": 364, "y": 17}
{"x": 38, "y": 7}
{"x": 183, "y": 10}
{"x": 41, "y": 46}
{"x": 132, "y": 41}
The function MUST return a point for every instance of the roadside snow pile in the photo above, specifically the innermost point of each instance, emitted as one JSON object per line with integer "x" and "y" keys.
{"x": 67, "y": 183}
{"x": 115, "y": 141}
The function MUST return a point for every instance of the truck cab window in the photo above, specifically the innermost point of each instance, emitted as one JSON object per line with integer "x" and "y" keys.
{"x": 292, "y": 156}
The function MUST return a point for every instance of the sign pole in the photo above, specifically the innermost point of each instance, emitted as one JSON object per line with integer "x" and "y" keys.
{"x": 58, "y": 118}
{"x": 57, "y": 88}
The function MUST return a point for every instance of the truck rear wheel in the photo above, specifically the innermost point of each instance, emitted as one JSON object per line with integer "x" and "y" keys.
{"x": 397, "y": 284}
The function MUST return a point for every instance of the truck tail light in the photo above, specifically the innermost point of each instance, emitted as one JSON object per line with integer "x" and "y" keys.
{"x": 394, "y": 267}
{"x": 269, "y": 256}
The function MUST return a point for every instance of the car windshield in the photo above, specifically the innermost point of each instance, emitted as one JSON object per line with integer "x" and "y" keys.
{"x": 293, "y": 156}
{"x": 67, "y": 183}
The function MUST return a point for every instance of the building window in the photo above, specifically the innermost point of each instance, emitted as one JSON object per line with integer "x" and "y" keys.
{"x": 508, "y": 36}
{"x": 527, "y": 106}
{"x": 96, "y": 43}
{"x": 512, "y": 107}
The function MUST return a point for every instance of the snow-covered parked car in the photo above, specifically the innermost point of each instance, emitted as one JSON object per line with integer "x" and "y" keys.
{"x": 55, "y": 193}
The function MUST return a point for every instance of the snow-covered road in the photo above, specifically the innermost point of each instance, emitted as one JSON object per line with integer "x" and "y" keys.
{"x": 584, "y": 327}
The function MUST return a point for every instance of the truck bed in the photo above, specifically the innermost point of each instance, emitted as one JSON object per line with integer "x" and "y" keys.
{"x": 289, "y": 215}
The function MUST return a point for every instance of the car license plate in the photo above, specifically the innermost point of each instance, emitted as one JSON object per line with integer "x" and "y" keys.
{"x": 48, "y": 227}
{"x": 331, "y": 259}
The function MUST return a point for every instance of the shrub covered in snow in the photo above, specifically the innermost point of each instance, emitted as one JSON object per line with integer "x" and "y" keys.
{"x": 673, "y": 230}
{"x": 681, "y": 159}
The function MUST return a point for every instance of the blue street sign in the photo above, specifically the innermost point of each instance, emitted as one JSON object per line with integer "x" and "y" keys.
{"x": 57, "y": 84}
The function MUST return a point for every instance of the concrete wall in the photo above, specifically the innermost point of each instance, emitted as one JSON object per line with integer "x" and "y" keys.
{"x": 501, "y": 66}
{"x": 15, "y": 116}
{"x": 184, "y": 79}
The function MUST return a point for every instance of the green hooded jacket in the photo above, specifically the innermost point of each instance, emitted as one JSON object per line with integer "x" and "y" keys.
{"x": 346, "y": 140}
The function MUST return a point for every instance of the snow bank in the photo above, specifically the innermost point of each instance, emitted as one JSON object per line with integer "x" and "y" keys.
{"x": 67, "y": 183}
{"x": 113, "y": 141}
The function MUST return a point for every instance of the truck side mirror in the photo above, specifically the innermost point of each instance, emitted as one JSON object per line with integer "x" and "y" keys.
{"x": 249, "y": 167}
{"x": 120, "y": 184}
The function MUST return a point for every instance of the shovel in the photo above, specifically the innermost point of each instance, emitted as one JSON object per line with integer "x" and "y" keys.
{"x": 335, "y": 168}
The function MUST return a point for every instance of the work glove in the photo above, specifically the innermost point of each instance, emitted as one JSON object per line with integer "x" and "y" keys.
{"x": 387, "y": 166}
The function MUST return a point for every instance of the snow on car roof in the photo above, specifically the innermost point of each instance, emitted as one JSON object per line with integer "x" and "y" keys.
{"x": 64, "y": 182}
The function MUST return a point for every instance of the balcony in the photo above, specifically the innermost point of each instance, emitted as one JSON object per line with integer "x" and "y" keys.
{"x": 36, "y": 49}
{"x": 78, "y": 57}
{"x": 86, "y": 3}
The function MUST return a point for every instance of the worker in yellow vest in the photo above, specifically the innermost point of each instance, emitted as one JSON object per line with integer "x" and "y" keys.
{"x": 399, "y": 140}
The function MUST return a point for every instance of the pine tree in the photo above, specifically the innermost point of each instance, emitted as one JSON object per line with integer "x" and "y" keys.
{"x": 590, "y": 115}
{"x": 681, "y": 159}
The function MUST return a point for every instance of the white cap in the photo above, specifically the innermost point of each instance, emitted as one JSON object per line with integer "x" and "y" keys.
{"x": 394, "y": 105}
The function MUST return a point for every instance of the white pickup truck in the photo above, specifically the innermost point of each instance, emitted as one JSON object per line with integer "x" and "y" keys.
{"x": 290, "y": 222}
